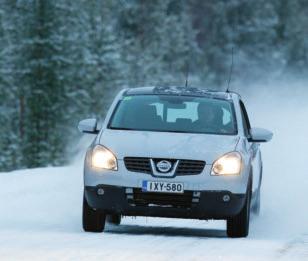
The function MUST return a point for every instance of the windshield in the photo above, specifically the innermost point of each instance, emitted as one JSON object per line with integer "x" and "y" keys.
{"x": 174, "y": 114}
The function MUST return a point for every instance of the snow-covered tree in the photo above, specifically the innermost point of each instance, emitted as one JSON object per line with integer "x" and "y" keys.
{"x": 61, "y": 61}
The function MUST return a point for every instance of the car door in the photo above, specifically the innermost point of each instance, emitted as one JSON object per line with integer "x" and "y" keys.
{"x": 254, "y": 150}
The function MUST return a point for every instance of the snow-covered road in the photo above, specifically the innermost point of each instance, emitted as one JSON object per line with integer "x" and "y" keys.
{"x": 40, "y": 216}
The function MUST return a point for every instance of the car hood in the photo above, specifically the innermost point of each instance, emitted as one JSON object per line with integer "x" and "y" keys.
{"x": 206, "y": 147}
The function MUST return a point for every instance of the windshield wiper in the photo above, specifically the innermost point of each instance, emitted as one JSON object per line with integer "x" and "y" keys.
{"x": 174, "y": 131}
{"x": 115, "y": 128}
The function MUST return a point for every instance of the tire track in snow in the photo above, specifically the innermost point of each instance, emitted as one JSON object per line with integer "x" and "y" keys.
{"x": 295, "y": 249}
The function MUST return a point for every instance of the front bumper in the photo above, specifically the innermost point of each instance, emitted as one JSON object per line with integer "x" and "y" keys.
{"x": 201, "y": 205}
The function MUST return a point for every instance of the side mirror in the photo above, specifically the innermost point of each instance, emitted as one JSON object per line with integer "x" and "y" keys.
{"x": 260, "y": 135}
{"x": 88, "y": 126}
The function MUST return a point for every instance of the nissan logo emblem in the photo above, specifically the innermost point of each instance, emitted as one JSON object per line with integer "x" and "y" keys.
{"x": 164, "y": 166}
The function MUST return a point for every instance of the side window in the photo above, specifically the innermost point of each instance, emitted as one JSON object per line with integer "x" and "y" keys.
{"x": 227, "y": 117}
{"x": 246, "y": 123}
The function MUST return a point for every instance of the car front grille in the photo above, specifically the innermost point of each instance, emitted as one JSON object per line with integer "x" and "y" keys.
{"x": 137, "y": 164}
{"x": 152, "y": 199}
{"x": 184, "y": 168}
{"x": 190, "y": 167}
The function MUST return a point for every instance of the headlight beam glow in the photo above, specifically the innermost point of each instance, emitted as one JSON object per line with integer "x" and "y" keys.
{"x": 228, "y": 164}
{"x": 103, "y": 158}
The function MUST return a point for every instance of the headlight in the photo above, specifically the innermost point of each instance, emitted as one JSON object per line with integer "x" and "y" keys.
{"x": 103, "y": 158}
{"x": 228, "y": 164}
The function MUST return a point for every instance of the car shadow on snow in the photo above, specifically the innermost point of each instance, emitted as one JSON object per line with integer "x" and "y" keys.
{"x": 164, "y": 231}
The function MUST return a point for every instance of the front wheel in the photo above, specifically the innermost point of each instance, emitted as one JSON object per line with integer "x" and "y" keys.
{"x": 92, "y": 220}
{"x": 257, "y": 204}
{"x": 238, "y": 226}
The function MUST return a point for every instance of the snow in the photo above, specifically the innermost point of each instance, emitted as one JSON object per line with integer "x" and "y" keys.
{"x": 41, "y": 208}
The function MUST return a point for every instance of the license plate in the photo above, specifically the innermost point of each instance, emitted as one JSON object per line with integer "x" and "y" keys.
{"x": 162, "y": 186}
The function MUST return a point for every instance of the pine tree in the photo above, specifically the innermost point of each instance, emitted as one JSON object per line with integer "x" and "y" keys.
{"x": 12, "y": 89}
{"x": 102, "y": 61}
{"x": 292, "y": 34}
{"x": 158, "y": 41}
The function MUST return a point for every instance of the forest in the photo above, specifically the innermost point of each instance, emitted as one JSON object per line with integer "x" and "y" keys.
{"x": 62, "y": 61}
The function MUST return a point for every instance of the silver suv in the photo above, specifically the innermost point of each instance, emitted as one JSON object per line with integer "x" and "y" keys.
{"x": 173, "y": 152}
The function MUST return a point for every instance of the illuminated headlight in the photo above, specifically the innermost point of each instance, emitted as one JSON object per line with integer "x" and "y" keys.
{"x": 228, "y": 164}
{"x": 103, "y": 158}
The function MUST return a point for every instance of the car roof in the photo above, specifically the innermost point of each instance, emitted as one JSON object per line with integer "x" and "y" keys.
{"x": 181, "y": 91}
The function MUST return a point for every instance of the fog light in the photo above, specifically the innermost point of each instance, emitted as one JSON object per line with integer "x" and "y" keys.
{"x": 226, "y": 198}
{"x": 129, "y": 191}
{"x": 100, "y": 191}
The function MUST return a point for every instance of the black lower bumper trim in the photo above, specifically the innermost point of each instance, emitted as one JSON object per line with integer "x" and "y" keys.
{"x": 202, "y": 204}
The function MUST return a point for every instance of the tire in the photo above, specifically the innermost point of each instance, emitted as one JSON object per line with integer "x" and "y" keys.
{"x": 257, "y": 204}
{"x": 238, "y": 226}
{"x": 114, "y": 219}
{"x": 92, "y": 220}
